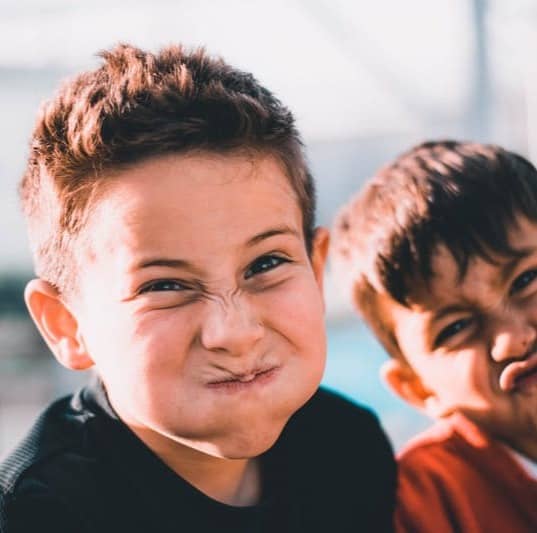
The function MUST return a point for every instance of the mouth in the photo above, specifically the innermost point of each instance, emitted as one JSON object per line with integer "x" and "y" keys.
{"x": 520, "y": 375}
{"x": 245, "y": 381}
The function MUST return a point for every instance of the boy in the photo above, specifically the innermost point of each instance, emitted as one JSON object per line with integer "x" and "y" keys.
{"x": 170, "y": 213}
{"x": 441, "y": 246}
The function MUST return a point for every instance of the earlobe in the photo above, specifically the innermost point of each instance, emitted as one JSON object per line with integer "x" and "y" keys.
{"x": 319, "y": 252}
{"x": 57, "y": 325}
{"x": 406, "y": 384}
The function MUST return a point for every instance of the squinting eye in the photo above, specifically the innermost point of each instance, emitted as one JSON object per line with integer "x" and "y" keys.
{"x": 523, "y": 281}
{"x": 451, "y": 330}
{"x": 163, "y": 285}
{"x": 264, "y": 264}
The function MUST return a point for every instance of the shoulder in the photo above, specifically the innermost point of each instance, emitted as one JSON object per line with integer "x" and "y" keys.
{"x": 340, "y": 426}
{"x": 38, "y": 476}
{"x": 435, "y": 456}
{"x": 432, "y": 474}
{"x": 34, "y": 507}
{"x": 447, "y": 460}
{"x": 440, "y": 438}
{"x": 343, "y": 460}
{"x": 337, "y": 423}
{"x": 335, "y": 412}
{"x": 464, "y": 479}
{"x": 456, "y": 453}
{"x": 447, "y": 449}
{"x": 56, "y": 430}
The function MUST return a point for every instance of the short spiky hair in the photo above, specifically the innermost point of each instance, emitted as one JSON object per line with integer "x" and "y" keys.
{"x": 138, "y": 105}
{"x": 463, "y": 195}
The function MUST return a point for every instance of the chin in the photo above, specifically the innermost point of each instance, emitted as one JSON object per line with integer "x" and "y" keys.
{"x": 249, "y": 444}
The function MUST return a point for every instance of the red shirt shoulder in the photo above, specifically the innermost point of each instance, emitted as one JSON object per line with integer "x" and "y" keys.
{"x": 453, "y": 477}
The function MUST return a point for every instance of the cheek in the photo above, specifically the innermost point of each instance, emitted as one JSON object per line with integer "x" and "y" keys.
{"x": 469, "y": 376}
{"x": 149, "y": 363}
{"x": 480, "y": 376}
{"x": 531, "y": 309}
{"x": 296, "y": 331}
{"x": 137, "y": 348}
{"x": 161, "y": 339}
{"x": 297, "y": 313}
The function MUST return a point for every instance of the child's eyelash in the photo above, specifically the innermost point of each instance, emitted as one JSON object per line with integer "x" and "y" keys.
{"x": 523, "y": 280}
{"x": 451, "y": 330}
{"x": 162, "y": 285}
{"x": 265, "y": 263}
{"x": 262, "y": 264}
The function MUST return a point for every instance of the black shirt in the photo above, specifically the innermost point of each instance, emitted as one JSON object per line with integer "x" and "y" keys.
{"x": 81, "y": 470}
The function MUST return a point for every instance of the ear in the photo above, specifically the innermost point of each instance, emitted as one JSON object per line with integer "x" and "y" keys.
{"x": 57, "y": 325}
{"x": 319, "y": 252}
{"x": 406, "y": 384}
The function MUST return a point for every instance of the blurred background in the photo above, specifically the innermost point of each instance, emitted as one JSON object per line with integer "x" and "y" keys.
{"x": 365, "y": 80}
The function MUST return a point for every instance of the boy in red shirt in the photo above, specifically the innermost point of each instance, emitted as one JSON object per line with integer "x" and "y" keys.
{"x": 441, "y": 247}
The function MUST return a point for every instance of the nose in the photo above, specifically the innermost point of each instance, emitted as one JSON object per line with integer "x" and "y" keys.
{"x": 513, "y": 338}
{"x": 232, "y": 327}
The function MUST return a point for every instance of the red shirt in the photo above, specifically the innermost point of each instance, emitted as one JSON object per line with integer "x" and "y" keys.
{"x": 453, "y": 478}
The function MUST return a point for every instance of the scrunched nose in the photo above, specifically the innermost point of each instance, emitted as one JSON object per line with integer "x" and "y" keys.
{"x": 233, "y": 327}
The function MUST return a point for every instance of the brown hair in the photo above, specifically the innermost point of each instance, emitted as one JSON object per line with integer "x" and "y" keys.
{"x": 460, "y": 194}
{"x": 138, "y": 105}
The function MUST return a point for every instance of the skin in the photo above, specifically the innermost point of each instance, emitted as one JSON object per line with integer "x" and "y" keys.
{"x": 201, "y": 310}
{"x": 470, "y": 345}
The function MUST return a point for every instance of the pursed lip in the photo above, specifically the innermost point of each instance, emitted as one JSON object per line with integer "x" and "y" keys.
{"x": 513, "y": 372}
{"x": 243, "y": 380}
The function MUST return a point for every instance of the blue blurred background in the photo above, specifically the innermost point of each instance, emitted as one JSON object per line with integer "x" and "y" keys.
{"x": 365, "y": 80}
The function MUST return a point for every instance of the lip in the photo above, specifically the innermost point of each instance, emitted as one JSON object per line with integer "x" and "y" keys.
{"x": 246, "y": 381}
{"x": 514, "y": 375}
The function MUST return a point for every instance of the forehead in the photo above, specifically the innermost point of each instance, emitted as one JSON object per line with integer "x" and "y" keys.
{"x": 180, "y": 203}
{"x": 482, "y": 275}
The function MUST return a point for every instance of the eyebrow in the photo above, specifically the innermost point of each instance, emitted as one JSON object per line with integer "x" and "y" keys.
{"x": 448, "y": 310}
{"x": 508, "y": 268}
{"x": 280, "y": 230}
{"x": 163, "y": 262}
{"x": 182, "y": 263}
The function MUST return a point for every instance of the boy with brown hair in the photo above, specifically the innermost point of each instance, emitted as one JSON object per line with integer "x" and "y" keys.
{"x": 441, "y": 247}
{"x": 171, "y": 218}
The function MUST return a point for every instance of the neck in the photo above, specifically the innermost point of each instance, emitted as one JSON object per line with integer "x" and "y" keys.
{"x": 230, "y": 481}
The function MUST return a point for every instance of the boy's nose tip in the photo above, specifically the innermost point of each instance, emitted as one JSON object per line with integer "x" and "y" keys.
{"x": 514, "y": 345}
{"x": 234, "y": 331}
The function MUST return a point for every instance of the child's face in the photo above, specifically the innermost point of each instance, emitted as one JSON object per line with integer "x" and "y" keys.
{"x": 199, "y": 304}
{"x": 472, "y": 345}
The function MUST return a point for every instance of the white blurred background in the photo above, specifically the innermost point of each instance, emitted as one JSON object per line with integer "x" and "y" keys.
{"x": 364, "y": 79}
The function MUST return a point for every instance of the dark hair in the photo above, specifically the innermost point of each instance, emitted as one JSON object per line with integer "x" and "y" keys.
{"x": 138, "y": 105}
{"x": 463, "y": 195}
